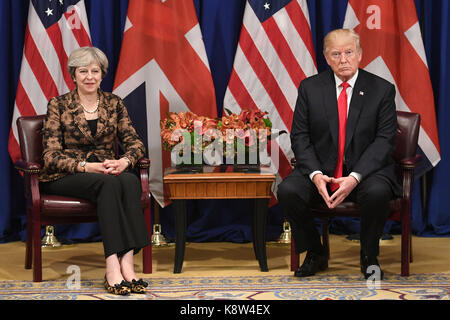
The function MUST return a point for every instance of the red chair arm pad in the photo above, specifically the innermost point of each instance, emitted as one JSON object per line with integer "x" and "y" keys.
{"x": 143, "y": 163}
{"x": 27, "y": 167}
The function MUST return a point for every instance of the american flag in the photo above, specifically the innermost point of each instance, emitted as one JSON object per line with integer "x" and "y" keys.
{"x": 55, "y": 28}
{"x": 393, "y": 49}
{"x": 275, "y": 53}
{"x": 163, "y": 67}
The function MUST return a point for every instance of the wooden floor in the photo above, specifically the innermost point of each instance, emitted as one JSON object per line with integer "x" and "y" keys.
{"x": 431, "y": 255}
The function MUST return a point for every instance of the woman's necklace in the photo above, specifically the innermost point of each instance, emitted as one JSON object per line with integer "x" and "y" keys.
{"x": 93, "y": 111}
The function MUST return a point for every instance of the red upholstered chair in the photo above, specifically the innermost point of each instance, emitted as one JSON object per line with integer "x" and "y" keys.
{"x": 400, "y": 208}
{"x": 44, "y": 209}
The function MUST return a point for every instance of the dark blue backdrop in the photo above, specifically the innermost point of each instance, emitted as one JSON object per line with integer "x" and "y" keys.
{"x": 220, "y": 22}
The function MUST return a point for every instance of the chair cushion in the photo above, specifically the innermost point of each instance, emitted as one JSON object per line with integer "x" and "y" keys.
{"x": 64, "y": 206}
{"x": 344, "y": 209}
{"x": 395, "y": 207}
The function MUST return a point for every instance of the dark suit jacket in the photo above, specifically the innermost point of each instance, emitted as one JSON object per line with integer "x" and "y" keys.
{"x": 370, "y": 132}
{"x": 67, "y": 138}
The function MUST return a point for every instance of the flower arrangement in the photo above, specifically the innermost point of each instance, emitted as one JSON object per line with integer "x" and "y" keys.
{"x": 177, "y": 125}
{"x": 235, "y": 137}
{"x": 241, "y": 132}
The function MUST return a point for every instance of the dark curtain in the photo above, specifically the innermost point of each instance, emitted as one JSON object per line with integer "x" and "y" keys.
{"x": 220, "y": 21}
{"x": 435, "y": 21}
{"x": 13, "y": 19}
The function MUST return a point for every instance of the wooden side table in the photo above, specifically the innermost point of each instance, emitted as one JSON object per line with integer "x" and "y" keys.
{"x": 221, "y": 182}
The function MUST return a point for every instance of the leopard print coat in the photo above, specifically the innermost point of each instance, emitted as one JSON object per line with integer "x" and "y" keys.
{"x": 67, "y": 139}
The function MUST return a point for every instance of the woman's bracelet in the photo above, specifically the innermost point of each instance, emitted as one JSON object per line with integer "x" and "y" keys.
{"x": 127, "y": 160}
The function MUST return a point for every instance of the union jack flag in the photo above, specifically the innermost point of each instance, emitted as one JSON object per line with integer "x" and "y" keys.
{"x": 54, "y": 30}
{"x": 393, "y": 49}
{"x": 275, "y": 53}
{"x": 163, "y": 67}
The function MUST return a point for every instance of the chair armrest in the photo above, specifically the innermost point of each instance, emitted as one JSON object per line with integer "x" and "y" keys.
{"x": 31, "y": 175}
{"x": 144, "y": 164}
{"x": 27, "y": 167}
{"x": 410, "y": 163}
{"x": 407, "y": 166}
{"x": 293, "y": 162}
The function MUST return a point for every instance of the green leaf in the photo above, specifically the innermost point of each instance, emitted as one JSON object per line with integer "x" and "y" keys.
{"x": 267, "y": 122}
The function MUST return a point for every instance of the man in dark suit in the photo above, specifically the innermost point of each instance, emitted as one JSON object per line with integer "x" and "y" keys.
{"x": 343, "y": 138}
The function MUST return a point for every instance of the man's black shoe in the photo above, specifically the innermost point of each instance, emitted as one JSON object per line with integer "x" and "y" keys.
{"x": 371, "y": 267}
{"x": 386, "y": 236}
{"x": 313, "y": 263}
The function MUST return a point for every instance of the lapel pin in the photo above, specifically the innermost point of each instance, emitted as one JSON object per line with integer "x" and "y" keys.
{"x": 361, "y": 93}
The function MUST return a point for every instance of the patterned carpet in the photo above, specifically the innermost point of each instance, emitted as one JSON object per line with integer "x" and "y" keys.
{"x": 326, "y": 287}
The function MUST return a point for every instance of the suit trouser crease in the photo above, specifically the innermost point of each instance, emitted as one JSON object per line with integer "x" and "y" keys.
{"x": 119, "y": 210}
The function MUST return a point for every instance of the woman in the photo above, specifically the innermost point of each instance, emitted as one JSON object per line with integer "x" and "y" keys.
{"x": 79, "y": 136}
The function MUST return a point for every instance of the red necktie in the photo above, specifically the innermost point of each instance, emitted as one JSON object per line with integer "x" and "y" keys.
{"x": 342, "y": 110}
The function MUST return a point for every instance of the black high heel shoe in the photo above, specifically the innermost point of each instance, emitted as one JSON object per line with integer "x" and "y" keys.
{"x": 138, "y": 286}
{"x": 122, "y": 289}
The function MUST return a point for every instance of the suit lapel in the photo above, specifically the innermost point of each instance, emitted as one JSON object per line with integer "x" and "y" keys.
{"x": 356, "y": 103}
{"x": 102, "y": 114}
{"x": 330, "y": 106}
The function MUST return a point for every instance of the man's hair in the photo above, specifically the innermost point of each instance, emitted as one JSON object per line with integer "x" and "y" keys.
{"x": 331, "y": 37}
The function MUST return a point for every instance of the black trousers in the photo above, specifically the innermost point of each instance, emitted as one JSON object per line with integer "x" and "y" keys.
{"x": 297, "y": 193}
{"x": 119, "y": 207}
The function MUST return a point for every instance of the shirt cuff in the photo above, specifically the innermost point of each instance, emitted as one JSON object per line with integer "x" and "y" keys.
{"x": 356, "y": 175}
{"x": 311, "y": 176}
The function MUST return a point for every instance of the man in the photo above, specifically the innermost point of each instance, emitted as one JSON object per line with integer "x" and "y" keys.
{"x": 343, "y": 138}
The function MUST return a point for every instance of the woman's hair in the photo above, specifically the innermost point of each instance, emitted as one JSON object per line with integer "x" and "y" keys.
{"x": 331, "y": 37}
{"x": 84, "y": 56}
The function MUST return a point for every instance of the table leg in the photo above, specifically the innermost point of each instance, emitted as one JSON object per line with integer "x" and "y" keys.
{"x": 259, "y": 232}
{"x": 254, "y": 231}
{"x": 179, "y": 207}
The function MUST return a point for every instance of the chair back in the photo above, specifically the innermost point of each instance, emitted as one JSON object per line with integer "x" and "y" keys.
{"x": 30, "y": 137}
{"x": 408, "y": 125}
